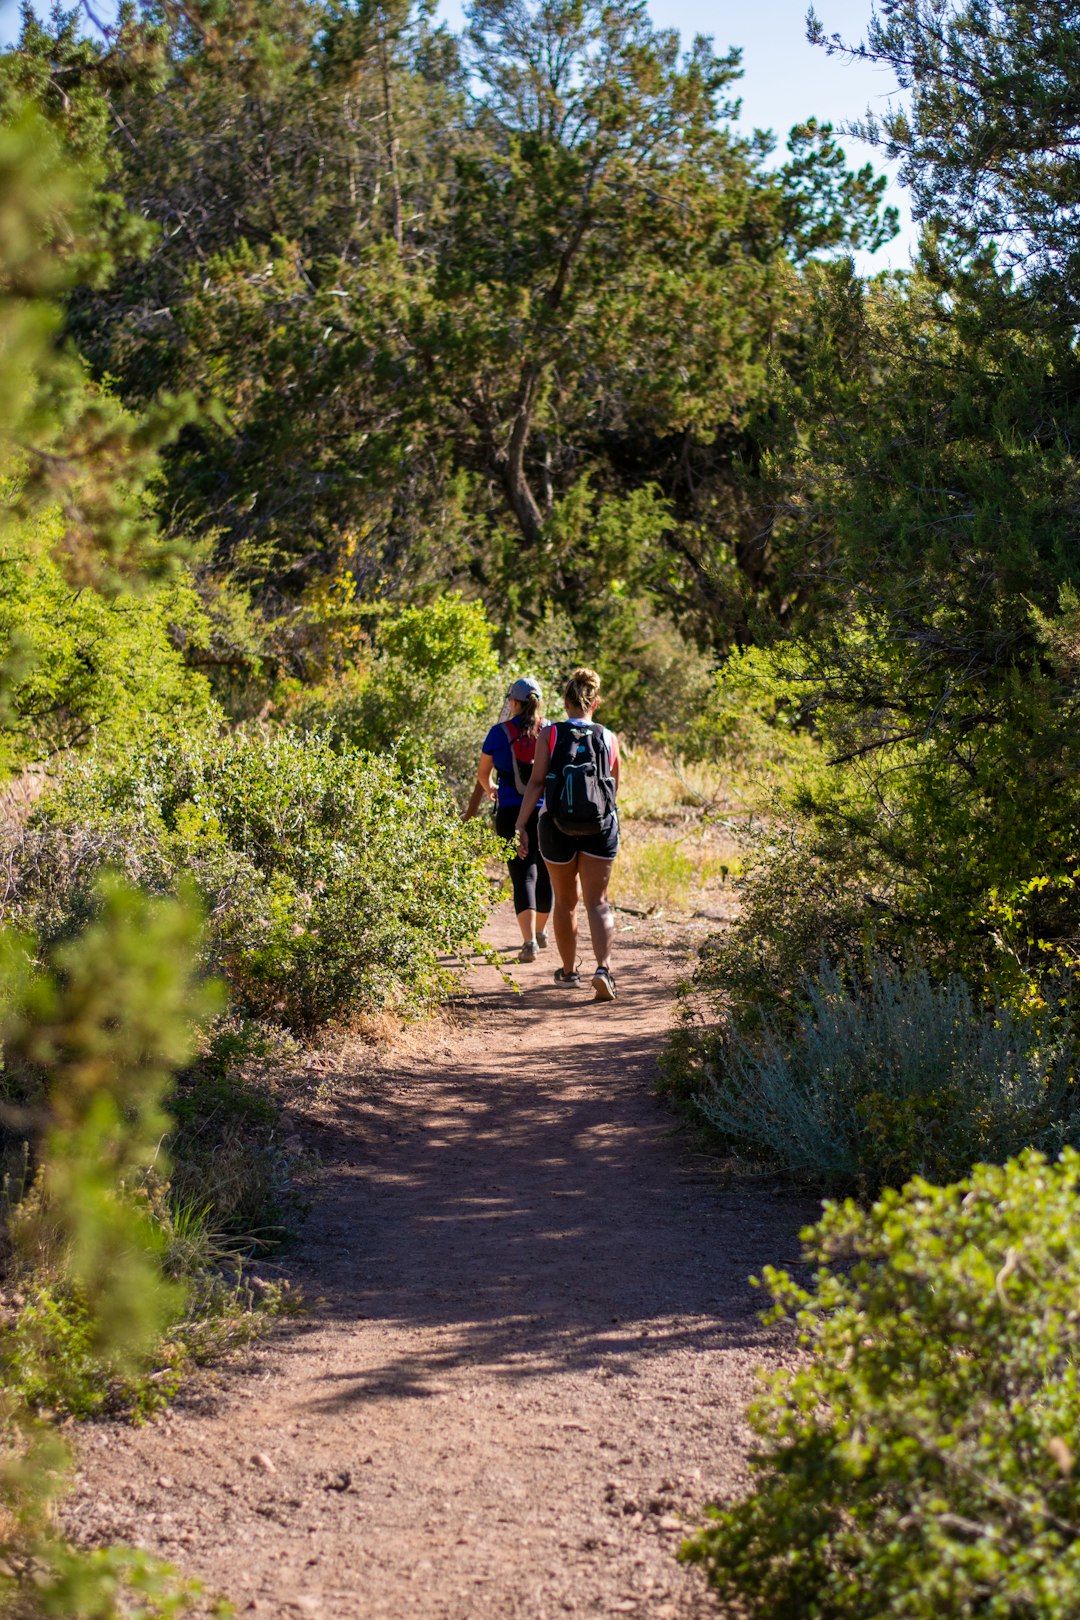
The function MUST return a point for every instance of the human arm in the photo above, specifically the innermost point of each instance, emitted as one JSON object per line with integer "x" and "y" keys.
{"x": 482, "y": 787}
{"x": 534, "y": 791}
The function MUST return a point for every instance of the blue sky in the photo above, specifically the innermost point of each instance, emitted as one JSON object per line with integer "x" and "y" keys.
{"x": 785, "y": 79}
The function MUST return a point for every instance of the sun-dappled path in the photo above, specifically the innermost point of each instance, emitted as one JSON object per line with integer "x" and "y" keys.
{"x": 529, "y": 1346}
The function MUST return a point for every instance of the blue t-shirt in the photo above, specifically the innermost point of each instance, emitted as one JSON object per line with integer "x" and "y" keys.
{"x": 497, "y": 744}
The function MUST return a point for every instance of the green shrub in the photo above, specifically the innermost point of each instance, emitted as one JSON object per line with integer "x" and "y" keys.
{"x": 80, "y": 662}
{"x": 432, "y": 689}
{"x": 331, "y": 880}
{"x": 888, "y": 1075}
{"x": 921, "y": 1463}
{"x": 741, "y": 714}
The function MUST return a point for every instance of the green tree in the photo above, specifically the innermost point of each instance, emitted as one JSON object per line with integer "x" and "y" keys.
{"x": 619, "y": 268}
{"x": 63, "y": 439}
{"x": 928, "y": 456}
{"x": 986, "y": 135}
{"x": 433, "y": 283}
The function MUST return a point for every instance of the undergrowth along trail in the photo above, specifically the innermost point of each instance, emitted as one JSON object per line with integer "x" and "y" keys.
{"x": 530, "y": 1346}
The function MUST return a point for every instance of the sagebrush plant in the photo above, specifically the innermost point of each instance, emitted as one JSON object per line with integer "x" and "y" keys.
{"x": 332, "y": 881}
{"x": 921, "y": 1462}
{"x": 89, "y": 1040}
{"x": 882, "y": 1074}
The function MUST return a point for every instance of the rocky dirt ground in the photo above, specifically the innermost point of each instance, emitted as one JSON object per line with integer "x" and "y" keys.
{"x": 528, "y": 1350}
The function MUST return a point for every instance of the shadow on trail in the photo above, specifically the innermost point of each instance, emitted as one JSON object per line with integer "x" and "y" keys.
{"x": 534, "y": 1216}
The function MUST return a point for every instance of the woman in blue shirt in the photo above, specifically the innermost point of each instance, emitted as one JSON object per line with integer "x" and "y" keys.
{"x": 508, "y": 750}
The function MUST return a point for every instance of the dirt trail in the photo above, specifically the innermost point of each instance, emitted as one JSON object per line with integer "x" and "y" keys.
{"x": 529, "y": 1352}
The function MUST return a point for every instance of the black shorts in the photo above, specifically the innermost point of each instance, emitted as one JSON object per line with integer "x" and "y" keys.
{"x": 559, "y": 848}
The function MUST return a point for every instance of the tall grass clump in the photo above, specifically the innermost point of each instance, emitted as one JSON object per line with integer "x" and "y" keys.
{"x": 921, "y": 1461}
{"x": 887, "y": 1074}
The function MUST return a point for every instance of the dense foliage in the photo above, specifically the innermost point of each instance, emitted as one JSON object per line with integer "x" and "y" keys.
{"x": 929, "y": 456}
{"x": 430, "y": 686}
{"x": 332, "y": 880}
{"x": 462, "y": 316}
{"x": 83, "y": 665}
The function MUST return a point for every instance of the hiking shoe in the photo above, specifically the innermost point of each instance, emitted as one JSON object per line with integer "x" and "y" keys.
{"x": 542, "y": 939}
{"x": 529, "y": 951}
{"x": 562, "y": 977}
{"x": 603, "y": 984}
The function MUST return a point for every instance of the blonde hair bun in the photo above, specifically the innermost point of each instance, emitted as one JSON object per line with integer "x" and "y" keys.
{"x": 582, "y": 689}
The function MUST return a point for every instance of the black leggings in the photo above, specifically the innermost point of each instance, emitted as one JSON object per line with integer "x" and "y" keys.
{"x": 532, "y": 885}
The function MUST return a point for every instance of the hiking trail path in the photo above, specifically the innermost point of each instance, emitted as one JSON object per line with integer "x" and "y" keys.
{"x": 528, "y": 1349}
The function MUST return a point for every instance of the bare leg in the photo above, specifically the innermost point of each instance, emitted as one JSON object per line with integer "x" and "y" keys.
{"x": 541, "y": 921}
{"x": 595, "y": 877}
{"x": 565, "y": 884}
{"x": 527, "y": 924}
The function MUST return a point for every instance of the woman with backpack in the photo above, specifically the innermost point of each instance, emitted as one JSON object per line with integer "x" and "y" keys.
{"x": 509, "y": 750}
{"x": 576, "y": 771}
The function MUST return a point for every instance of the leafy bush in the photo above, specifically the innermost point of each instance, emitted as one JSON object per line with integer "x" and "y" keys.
{"x": 432, "y": 688}
{"x": 922, "y": 1462}
{"x": 89, "y": 1041}
{"x": 744, "y": 715}
{"x": 889, "y": 1076}
{"x": 953, "y": 832}
{"x": 78, "y": 661}
{"x": 331, "y": 880}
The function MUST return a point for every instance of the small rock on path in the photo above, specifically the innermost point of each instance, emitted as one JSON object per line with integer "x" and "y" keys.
{"x": 530, "y": 1346}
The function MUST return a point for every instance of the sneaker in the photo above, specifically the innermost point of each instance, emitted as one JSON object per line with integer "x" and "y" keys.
{"x": 603, "y": 984}
{"x": 562, "y": 977}
{"x": 542, "y": 939}
{"x": 528, "y": 952}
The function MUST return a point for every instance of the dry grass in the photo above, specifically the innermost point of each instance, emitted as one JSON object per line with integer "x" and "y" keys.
{"x": 656, "y": 787}
{"x": 683, "y": 832}
{"x": 20, "y": 793}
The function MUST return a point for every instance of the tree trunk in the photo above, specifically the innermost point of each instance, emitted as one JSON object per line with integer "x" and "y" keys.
{"x": 523, "y": 502}
{"x": 391, "y": 139}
